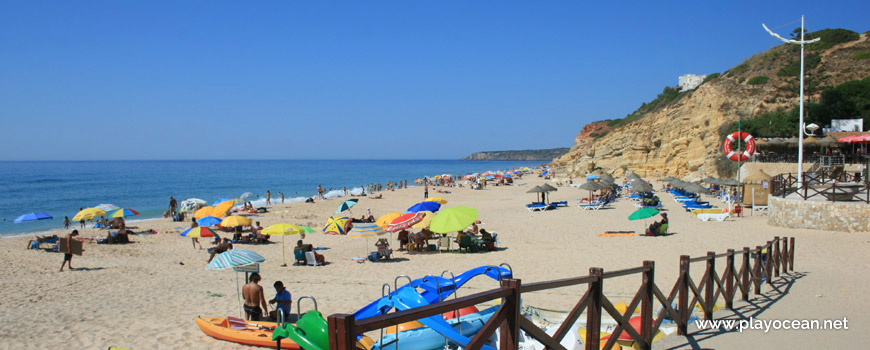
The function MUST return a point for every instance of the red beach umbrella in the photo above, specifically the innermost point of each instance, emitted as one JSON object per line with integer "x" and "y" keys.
{"x": 404, "y": 221}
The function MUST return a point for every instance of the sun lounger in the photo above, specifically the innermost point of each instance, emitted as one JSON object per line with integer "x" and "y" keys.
{"x": 560, "y": 203}
{"x": 717, "y": 217}
{"x": 536, "y": 207}
{"x": 592, "y": 206}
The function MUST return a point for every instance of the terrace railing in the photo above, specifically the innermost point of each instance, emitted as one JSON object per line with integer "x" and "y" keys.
{"x": 763, "y": 263}
{"x": 830, "y": 184}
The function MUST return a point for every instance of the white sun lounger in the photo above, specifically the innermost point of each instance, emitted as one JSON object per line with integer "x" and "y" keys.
{"x": 717, "y": 217}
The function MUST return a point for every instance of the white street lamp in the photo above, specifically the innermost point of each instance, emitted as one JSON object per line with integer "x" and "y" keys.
{"x": 801, "y": 42}
{"x": 812, "y": 128}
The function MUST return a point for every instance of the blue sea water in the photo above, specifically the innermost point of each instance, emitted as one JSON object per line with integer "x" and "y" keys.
{"x": 60, "y": 188}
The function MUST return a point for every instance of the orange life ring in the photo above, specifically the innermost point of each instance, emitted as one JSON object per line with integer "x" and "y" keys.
{"x": 729, "y": 146}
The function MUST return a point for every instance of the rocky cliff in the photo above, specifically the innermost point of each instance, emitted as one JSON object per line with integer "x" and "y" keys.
{"x": 683, "y": 137}
{"x": 536, "y": 154}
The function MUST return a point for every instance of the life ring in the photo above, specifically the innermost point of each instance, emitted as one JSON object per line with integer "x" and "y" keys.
{"x": 729, "y": 146}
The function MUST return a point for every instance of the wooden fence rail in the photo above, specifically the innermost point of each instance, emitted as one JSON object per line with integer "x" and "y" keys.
{"x": 758, "y": 265}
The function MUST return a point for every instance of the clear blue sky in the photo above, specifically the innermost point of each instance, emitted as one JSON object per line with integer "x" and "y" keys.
{"x": 355, "y": 79}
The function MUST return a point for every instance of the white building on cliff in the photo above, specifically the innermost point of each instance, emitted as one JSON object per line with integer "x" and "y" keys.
{"x": 690, "y": 81}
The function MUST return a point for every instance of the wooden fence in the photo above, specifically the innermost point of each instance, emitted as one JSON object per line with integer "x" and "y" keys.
{"x": 822, "y": 184}
{"x": 764, "y": 262}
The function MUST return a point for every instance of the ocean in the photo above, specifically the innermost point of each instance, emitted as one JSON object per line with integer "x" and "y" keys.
{"x": 60, "y": 188}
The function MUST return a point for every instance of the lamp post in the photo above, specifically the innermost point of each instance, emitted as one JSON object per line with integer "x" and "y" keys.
{"x": 801, "y": 42}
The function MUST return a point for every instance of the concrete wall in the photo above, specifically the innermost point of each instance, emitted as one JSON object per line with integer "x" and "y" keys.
{"x": 818, "y": 215}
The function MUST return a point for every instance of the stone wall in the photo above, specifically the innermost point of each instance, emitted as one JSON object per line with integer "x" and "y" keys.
{"x": 818, "y": 215}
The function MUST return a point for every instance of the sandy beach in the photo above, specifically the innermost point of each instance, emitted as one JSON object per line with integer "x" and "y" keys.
{"x": 145, "y": 295}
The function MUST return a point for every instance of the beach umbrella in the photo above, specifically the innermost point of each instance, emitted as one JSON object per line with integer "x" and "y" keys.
{"x": 547, "y": 188}
{"x": 346, "y": 205}
{"x": 696, "y": 188}
{"x": 336, "y": 225}
{"x": 668, "y": 179}
{"x": 385, "y": 220}
{"x": 191, "y": 205}
{"x": 365, "y": 231}
{"x": 306, "y": 229}
{"x": 591, "y": 187}
{"x": 236, "y": 220}
{"x": 453, "y": 219}
{"x": 606, "y": 176}
{"x": 825, "y": 141}
{"x": 235, "y": 258}
{"x": 438, "y": 200}
{"x": 88, "y": 213}
{"x": 283, "y": 230}
{"x": 425, "y": 206}
{"x": 123, "y": 212}
{"x": 246, "y": 195}
{"x": 32, "y": 217}
{"x": 198, "y": 231}
{"x": 643, "y": 213}
{"x": 404, "y": 221}
{"x": 203, "y": 212}
{"x": 208, "y": 221}
{"x": 427, "y": 219}
{"x": 219, "y": 201}
{"x": 223, "y": 208}
{"x": 107, "y": 207}
{"x": 641, "y": 187}
{"x": 730, "y": 183}
{"x": 536, "y": 190}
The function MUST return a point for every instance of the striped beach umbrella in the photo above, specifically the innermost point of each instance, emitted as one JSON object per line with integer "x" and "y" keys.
{"x": 124, "y": 212}
{"x": 365, "y": 230}
{"x": 198, "y": 231}
{"x": 234, "y": 258}
{"x": 427, "y": 219}
{"x": 404, "y": 221}
{"x": 107, "y": 207}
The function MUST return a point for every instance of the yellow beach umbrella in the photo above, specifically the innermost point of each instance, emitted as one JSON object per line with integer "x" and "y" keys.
{"x": 427, "y": 219}
{"x": 88, "y": 213}
{"x": 385, "y": 220}
{"x": 221, "y": 209}
{"x": 440, "y": 200}
{"x": 203, "y": 212}
{"x": 283, "y": 230}
{"x": 235, "y": 220}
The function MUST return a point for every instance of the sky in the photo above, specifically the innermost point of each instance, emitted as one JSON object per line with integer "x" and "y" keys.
{"x": 113, "y": 80}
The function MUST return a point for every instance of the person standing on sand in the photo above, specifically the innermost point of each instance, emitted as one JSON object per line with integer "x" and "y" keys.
{"x": 268, "y": 197}
{"x": 253, "y": 294}
{"x": 67, "y": 255}
{"x": 82, "y": 221}
{"x": 172, "y": 205}
{"x": 66, "y": 222}
{"x": 194, "y": 224}
{"x": 320, "y": 191}
{"x": 426, "y": 190}
{"x": 282, "y": 197}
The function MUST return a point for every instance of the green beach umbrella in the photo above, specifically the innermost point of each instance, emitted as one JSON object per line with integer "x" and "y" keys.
{"x": 306, "y": 229}
{"x": 643, "y": 213}
{"x": 453, "y": 219}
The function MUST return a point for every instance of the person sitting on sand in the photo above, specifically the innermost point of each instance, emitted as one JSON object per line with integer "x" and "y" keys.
{"x": 653, "y": 229}
{"x": 403, "y": 239}
{"x": 253, "y": 294}
{"x": 223, "y": 246}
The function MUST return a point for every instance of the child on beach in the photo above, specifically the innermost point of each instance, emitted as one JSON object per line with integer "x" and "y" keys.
{"x": 66, "y": 222}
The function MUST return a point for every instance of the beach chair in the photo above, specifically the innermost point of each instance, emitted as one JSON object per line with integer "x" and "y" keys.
{"x": 536, "y": 207}
{"x": 312, "y": 259}
{"x": 465, "y": 242}
{"x": 711, "y": 216}
{"x": 444, "y": 243}
{"x": 594, "y": 205}
{"x": 560, "y": 203}
{"x": 300, "y": 256}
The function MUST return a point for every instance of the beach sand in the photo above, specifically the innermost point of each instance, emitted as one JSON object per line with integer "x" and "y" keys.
{"x": 145, "y": 295}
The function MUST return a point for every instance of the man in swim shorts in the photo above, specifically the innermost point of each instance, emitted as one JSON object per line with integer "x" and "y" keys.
{"x": 67, "y": 256}
{"x": 253, "y": 294}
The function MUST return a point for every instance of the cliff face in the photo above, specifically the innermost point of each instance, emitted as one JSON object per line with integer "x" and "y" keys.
{"x": 531, "y": 155}
{"x": 683, "y": 139}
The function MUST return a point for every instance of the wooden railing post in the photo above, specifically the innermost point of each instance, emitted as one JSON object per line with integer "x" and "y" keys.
{"x": 646, "y": 304}
{"x": 769, "y": 263}
{"x": 710, "y": 283}
{"x": 683, "y": 322}
{"x": 757, "y": 270}
{"x": 729, "y": 280}
{"x": 791, "y": 255}
{"x": 510, "y": 328}
{"x": 785, "y": 255}
{"x": 593, "y": 314}
{"x": 777, "y": 258}
{"x": 341, "y": 335}
{"x": 744, "y": 293}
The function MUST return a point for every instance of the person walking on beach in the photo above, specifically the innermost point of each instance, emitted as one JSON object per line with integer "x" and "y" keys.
{"x": 268, "y": 197}
{"x": 67, "y": 255}
{"x": 66, "y": 222}
{"x": 283, "y": 300}
{"x": 426, "y": 190}
{"x": 282, "y": 197}
{"x": 172, "y": 205}
{"x": 194, "y": 224}
{"x": 253, "y": 294}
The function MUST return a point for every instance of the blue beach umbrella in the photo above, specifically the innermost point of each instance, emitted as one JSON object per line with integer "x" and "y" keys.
{"x": 209, "y": 221}
{"x": 346, "y": 205}
{"x": 425, "y": 206}
{"x": 32, "y": 217}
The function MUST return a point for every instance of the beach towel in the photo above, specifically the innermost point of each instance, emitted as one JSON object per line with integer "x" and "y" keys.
{"x": 616, "y": 234}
